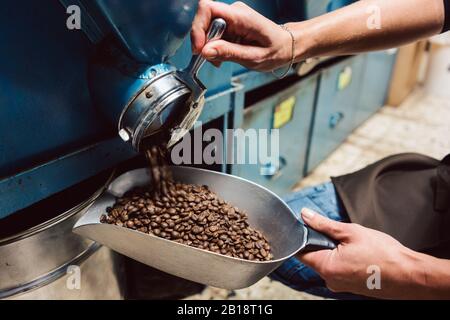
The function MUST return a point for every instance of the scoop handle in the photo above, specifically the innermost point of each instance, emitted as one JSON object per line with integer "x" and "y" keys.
{"x": 215, "y": 32}
{"x": 316, "y": 241}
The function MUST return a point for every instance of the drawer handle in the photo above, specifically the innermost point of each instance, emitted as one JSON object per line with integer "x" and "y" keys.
{"x": 335, "y": 119}
{"x": 272, "y": 171}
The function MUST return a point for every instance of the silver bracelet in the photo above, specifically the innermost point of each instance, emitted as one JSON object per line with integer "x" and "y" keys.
{"x": 291, "y": 64}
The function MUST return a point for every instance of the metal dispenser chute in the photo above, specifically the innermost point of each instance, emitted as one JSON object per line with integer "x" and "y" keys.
{"x": 130, "y": 79}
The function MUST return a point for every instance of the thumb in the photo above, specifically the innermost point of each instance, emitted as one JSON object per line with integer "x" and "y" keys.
{"x": 221, "y": 50}
{"x": 333, "y": 229}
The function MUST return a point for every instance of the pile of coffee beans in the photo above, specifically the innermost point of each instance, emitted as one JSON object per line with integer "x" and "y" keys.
{"x": 191, "y": 215}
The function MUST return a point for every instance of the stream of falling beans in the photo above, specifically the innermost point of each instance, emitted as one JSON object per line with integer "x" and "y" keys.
{"x": 159, "y": 169}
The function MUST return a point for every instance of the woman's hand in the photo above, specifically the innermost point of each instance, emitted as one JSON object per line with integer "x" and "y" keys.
{"x": 250, "y": 39}
{"x": 361, "y": 253}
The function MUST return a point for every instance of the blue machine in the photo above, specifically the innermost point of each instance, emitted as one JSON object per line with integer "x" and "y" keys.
{"x": 59, "y": 105}
{"x": 62, "y": 91}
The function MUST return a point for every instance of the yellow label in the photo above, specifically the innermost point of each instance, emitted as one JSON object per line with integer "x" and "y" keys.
{"x": 345, "y": 78}
{"x": 283, "y": 112}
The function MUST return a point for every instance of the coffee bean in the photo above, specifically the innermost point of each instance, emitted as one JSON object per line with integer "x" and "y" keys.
{"x": 263, "y": 252}
{"x": 171, "y": 223}
{"x": 175, "y": 235}
{"x": 249, "y": 245}
{"x": 197, "y": 230}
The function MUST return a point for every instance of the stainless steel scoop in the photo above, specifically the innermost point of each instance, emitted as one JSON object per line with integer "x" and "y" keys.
{"x": 266, "y": 211}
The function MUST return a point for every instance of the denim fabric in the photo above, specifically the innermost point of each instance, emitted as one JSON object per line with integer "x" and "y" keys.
{"x": 324, "y": 200}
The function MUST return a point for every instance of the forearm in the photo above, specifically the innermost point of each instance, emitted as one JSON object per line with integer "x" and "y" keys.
{"x": 430, "y": 277}
{"x": 354, "y": 29}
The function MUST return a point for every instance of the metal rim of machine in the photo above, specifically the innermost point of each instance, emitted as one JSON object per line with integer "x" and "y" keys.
{"x": 51, "y": 276}
{"x": 59, "y": 270}
{"x": 137, "y": 118}
{"x": 147, "y": 119}
{"x": 60, "y": 218}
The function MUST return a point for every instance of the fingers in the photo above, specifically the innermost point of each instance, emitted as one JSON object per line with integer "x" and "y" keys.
{"x": 207, "y": 10}
{"x": 200, "y": 26}
{"x": 333, "y": 229}
{"x": 221, "y": 50}
{"x": 316, "y": 260}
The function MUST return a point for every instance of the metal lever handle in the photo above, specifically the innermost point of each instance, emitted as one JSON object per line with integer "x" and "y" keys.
{"x": 317, "y": 241}
{"x": 215, "y": 32}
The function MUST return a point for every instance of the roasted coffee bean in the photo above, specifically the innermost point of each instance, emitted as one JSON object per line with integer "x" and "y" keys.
{"x": 171, "y": 223}
{"x": 263, "y": 252}
{"x": 164, "y": 225}
{"x": 175, "y": 235}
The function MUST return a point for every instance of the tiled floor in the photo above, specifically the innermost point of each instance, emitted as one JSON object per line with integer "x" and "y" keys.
{"x": 420, "y": 124}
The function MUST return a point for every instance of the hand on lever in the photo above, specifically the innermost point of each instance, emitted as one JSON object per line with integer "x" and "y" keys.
{"x": 250, "y": 39}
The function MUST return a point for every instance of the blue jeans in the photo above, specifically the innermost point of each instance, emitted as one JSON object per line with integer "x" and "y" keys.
{"x": 324, "y": 200}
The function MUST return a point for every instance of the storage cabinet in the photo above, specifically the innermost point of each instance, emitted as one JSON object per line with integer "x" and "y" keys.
{"x": 337, "y": 102}
{"x": 374, "y": 84}
{"x": 291, "y": 109}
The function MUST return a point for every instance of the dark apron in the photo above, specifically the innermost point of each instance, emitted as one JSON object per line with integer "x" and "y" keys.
{"x": 406, "y": 196}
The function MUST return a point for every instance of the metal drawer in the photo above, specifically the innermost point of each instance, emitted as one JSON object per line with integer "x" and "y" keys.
{"x": 374, "y": 84}
{"x": 293, "y": 136}
{"x": 337, "y": 102}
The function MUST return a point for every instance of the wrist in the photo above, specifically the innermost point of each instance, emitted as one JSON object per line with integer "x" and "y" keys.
{"x": 304, "y": 40}
{"x": 402, "y": 275}
{"x": 430, "y": 276}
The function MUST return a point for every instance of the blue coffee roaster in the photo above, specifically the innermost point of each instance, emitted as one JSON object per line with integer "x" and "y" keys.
{"x": 64, "y": 90}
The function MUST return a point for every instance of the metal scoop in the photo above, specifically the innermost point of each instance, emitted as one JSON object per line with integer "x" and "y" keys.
{"x": 266, "y": 211}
